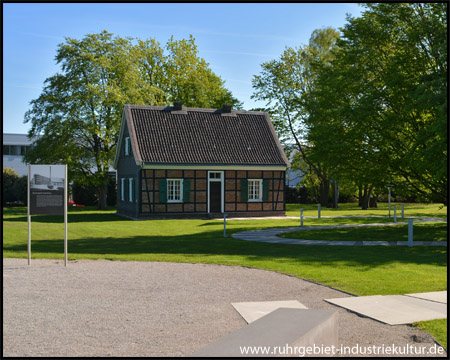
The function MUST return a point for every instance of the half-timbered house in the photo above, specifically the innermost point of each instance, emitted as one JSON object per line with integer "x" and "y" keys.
{"x": 188, "y": 162}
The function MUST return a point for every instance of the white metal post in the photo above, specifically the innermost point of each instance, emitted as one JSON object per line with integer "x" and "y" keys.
{"x": 301, "y": 217}
{"x": 65, "y": 219}
{"x": 410, "y": 232}
{"x": 28, "y": 215}
{"x": 395, "y": 213}
{"x": 403, "y": 211}
{"x": 318, "y": 211}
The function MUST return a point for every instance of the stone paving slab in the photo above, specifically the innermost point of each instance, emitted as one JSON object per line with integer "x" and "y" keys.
{"x": 252, "y": 311}
{"x": 438, "y": 296}
{"x": 393, "y": 309}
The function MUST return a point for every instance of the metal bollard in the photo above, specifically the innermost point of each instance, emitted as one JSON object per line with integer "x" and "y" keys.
{"x": 403, "y": 211}
{"x": 301, "y": 217}
{"x": 318, "y": 215}
{"x": 224, "y": 225}
{"x": 410, "y": 232}
{"x": 395, "y": 213}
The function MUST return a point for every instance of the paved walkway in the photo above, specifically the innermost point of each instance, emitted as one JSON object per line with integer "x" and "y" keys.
{"x": 270, "y": 235}
{"x": 397, "y": 309}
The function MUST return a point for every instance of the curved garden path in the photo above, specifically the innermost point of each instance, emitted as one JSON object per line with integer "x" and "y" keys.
{"x": 270, "y": 235}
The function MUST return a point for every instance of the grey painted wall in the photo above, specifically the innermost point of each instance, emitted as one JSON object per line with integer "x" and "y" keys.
{"x": 127, "y": 168}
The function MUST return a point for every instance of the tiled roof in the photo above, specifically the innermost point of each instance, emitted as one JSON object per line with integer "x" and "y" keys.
{"x": 203, "y": 136}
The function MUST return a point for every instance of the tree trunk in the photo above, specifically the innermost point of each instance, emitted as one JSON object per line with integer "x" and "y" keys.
{"x": 360, "y": 195}
{"x": 324, "y": 192}
{"x": 102, "y": 195}
{"x": 366, "y": 196}
{"x": 336, "y": 195}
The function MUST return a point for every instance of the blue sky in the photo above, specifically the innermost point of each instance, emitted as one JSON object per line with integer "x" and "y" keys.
{"x": 233, "y": 38}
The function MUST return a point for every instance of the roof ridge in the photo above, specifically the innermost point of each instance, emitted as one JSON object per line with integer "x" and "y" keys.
{"x": 192, "y": 109}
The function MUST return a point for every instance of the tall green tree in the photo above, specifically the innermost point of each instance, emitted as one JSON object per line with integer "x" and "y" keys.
{"x": 181, "y": 74}
{"x": 285, "y": 84}
{"x": 79, "y": 111}
{"x": 385, "y": 100}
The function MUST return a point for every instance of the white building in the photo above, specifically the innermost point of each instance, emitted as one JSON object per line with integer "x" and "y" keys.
{"x": 293, "y": 177}
{"x": 14, "y": 148}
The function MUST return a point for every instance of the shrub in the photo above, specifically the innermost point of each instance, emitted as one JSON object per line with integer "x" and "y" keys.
{"x": 9, "y": 178}
{"x": 297, "y": 195}
{"x": 20, "y": 189}
{"x": 84, "y": 194}
{"x": 111, "y": 199}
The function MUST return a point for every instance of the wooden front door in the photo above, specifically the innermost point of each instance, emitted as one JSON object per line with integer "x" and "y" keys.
{"x": 215, "y": 196}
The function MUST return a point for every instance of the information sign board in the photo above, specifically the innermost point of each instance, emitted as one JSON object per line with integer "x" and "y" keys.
{"x": 47, "y": 189}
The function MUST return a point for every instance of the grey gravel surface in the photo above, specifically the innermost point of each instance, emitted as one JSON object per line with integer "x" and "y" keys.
{"x": 118, "y": 308}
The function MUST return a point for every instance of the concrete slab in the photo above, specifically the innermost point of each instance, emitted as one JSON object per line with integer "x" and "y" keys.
{"x": 393, "y": 309}
{"x": 438, "y": 296}
{"x": 252, "y": 311}
{"x": 293, "y": 327}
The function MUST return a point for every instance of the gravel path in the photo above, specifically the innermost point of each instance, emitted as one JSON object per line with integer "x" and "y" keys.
{"x": 118, "y": 308}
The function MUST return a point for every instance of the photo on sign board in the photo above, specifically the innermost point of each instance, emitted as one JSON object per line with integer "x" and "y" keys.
{"x": 47, "y": 177}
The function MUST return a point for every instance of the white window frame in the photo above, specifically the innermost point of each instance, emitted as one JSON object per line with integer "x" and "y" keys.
{"x": 250, "y": 194}
{"x": 220, "y": 173}
{"x": 127, "y": 146}
{"x": 131, "y": 189}
{"x": 122, "y": 189}
{"x": 169, "y": 200}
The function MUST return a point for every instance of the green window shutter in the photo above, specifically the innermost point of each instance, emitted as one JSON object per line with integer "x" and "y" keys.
{"x": 162, "y": 190}
{"x": 186, "y": 190}
{"x": 265, "y": 196}
{"x": 244, "y": 190}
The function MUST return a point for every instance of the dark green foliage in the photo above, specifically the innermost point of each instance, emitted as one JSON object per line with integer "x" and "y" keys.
{"x": 384, "y": 97}
{"x": 112, "y": 192}
{"x": 20, "y": 189}
{"x": 84, "y": 194}
{"x": 10, "y": 177}
{"x": 298, "y": 195}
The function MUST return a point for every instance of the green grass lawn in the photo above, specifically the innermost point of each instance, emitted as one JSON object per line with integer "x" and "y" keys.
{"x": 433, "y": 231}
{"x": 358, "y": 270}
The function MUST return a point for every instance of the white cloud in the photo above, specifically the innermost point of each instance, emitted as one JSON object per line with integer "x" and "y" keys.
{"x": 43, "y": 35}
